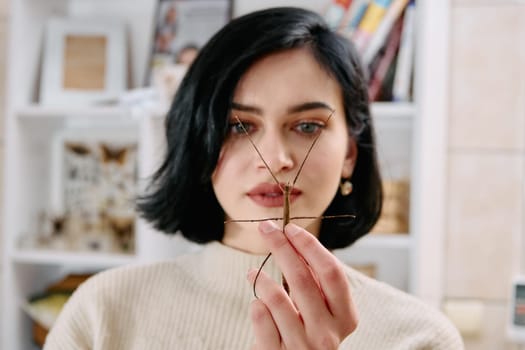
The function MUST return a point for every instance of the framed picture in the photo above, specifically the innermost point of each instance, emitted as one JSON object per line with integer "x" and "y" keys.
{"x": 84, "y": 62}
{"x": 182, "y": 27}
{"x": 93, "y": 189}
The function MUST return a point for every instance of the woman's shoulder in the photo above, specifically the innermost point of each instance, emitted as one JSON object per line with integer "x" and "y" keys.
{"x": 108, "y": 295}
{"x": 134, "y": 277}
{"x": 136, "y": 269}
{"x": 385, "y": 308}
{"x": 378, "y": 293}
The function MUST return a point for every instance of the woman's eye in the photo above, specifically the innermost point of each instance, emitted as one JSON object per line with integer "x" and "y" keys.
{"x": 309, "y": 128}
{"x": 240, "y": 128}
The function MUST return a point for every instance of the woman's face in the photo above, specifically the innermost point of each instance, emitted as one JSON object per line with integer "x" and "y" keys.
{"x": 284, "y": 102}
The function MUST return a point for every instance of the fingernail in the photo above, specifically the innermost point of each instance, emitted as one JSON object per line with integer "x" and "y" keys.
{"x": 292, "y": 229}
{"x": 268, "y": 226}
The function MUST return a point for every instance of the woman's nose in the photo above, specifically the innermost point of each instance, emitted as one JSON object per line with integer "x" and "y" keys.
{"x": 276, "y": 152}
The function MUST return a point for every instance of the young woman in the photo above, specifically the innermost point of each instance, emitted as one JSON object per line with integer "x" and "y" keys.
{"x": 260, "y": 93}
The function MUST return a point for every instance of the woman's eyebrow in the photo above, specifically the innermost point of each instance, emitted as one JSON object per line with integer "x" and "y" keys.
{"x": 246, "y": 108}
{"x": 302, "y": 107}
{"x": 309, "y": 106}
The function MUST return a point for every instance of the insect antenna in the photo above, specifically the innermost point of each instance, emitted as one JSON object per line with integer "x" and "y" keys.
{"x": 293, "y": 183}
{"x": 259, "y": 153}
{"x": 310, "y": 150}
{"x": 280, "y": 187}
{"x": 286, "y": 193}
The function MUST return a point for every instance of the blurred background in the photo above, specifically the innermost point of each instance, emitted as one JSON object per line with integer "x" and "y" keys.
{"x": 81, "y": 111}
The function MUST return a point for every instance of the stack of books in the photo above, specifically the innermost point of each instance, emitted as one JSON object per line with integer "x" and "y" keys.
{"x": 383, "y": 33}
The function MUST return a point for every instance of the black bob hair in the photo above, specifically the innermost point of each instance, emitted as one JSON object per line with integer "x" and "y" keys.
{"x": 180, "y": 196}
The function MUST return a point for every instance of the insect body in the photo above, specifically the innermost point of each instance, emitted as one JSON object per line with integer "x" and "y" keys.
{"x": 286, "y": 207}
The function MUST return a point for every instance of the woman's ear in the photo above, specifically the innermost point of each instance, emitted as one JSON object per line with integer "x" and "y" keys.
{"x": 350, "y": 159}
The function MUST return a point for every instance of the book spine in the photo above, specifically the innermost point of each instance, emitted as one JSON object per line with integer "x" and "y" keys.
{"x": 374, "y": 88}
{"x": 335, "y": 12}
{"x": 403, "y": 75}
{"x": 353, "y": 16}
{"x": 371, "y": 19}
{"x": 378, "y": 39}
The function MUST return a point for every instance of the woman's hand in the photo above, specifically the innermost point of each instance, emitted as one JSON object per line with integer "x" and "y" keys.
{"x": 319, "y": 312}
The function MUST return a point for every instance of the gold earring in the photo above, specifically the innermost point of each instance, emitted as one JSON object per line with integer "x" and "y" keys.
{"x": 346, "y": 187}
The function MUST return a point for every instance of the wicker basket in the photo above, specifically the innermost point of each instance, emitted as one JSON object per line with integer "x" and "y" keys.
{"x": 67, "y": 285}
{"x": 396, "y": 203}
{"x": 39, "y": 334}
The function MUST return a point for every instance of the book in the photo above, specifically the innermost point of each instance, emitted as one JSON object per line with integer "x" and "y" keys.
{"x": 368, "y": 25}
{"x": 385, "y": 91}
{"x": 353, "y": 16}
{"x": 405, "y": 60}
{"x": 391, "y": 47}
{"x": 378, "y": 38}
{"x": 335, "y": 12}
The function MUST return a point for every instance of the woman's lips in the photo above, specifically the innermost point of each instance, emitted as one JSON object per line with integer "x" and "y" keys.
{"x": 270, "y": 195}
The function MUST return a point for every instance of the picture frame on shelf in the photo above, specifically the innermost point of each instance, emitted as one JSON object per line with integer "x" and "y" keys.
{"x": 93, "y": 189}
{"x": 181, "y": 28}
{"x": 84, "y": 62}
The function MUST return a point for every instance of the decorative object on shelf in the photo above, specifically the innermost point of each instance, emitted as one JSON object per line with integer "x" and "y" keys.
{"x": 166, "y": 80}
{"x": 395, "y": 213}
{"x": 94, "y": 183}
{"x": 84, "y": 62}
{"x": 43, "y": 309}
{"x": 139, "y": 99}
{"x": 182, "y": 27}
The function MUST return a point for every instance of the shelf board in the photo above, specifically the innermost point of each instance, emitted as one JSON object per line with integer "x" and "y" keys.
{"x": 86, "y": 259}
{"x": 402, "y": 110}
{"x": 384, "y": 240}
{"x": 39, "y": 111}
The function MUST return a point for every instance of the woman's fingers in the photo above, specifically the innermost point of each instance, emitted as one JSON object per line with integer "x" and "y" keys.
{"x": 319, "y": 312}
{"x": 316, "y": 278}
{"x": 303, "y": 286}
{"x": 330, "y": 274}
{"x": 265, "y": 331}
{"x": 274, "y": 315}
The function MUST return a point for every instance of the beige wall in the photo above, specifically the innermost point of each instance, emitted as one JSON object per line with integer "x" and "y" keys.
{"x": 3, "y": 37}
{"x": 486, "y": 160}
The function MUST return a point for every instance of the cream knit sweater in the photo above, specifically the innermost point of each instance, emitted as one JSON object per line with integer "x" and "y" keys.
{"x": 200, "y": 301}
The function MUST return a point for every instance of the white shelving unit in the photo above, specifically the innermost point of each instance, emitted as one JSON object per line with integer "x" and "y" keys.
{"x": 411, "y": 139}
{"x": 88, "y": 260}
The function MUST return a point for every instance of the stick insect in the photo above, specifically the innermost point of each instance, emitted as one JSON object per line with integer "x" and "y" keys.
{"x": 286, "y": 190}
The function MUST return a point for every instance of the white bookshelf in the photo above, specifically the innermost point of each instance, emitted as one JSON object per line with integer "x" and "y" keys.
{"x": 385, "y": 241}
{"x": 410, "y": 135}
{"x": 35, "y": 111}
{"x": 393, "y": 111}
{"x": 88, "y": 260}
